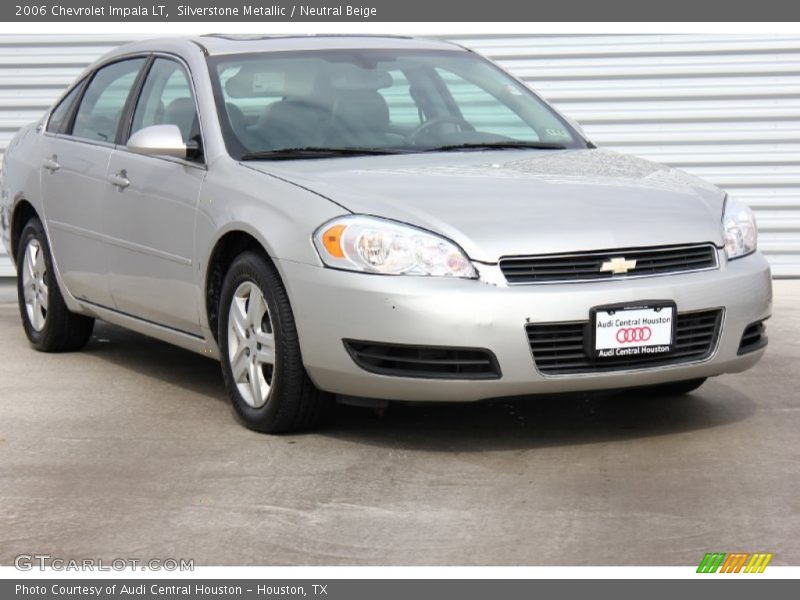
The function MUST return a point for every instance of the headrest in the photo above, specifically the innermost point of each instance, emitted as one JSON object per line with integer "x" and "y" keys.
{"x": 362, "y": 110}
{"x": 183, "y": 113}
{"x": 181, "y": 106}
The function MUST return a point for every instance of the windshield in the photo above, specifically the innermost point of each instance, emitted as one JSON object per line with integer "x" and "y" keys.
{"x": 376, "y": 101}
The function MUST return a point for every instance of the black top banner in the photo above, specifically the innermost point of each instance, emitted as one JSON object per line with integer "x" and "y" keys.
{"x": 400, "y": 10}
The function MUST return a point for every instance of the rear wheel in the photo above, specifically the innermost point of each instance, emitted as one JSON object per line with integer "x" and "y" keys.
{"x": 676, "y": 388}
{"x": 260, "y": 351}
{"x": 47, "y": 321}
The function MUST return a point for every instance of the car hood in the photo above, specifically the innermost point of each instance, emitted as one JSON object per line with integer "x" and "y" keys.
{"x": 511, "y": 202}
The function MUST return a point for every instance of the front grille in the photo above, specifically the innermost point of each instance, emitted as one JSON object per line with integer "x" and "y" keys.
{"x": 560, "y": 348}
{"x": 586, "y": 266}
{"x": 754, "y": 338}
{"x": 432, "y": 362}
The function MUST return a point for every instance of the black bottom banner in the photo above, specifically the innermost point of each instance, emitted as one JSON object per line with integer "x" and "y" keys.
{"x": 391, "y": 589}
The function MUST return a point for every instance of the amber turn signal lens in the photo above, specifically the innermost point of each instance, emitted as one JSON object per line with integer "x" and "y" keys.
{"x": 332, "y": 238}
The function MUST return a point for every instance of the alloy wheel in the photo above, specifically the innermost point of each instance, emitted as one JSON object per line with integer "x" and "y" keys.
{"x": 251, "y": 344}
{"x": 34, "y": 284}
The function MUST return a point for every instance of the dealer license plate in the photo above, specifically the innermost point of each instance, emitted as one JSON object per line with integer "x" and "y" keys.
{"x": 640, "y": 331}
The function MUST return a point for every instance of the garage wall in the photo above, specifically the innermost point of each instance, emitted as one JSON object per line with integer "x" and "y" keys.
{"x": 726, "y": 108}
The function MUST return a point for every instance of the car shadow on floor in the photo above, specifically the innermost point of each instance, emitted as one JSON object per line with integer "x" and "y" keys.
{"x": 541, "y": 421}
{"x": 153, "y": 358}
{"x": 523, "y": 422}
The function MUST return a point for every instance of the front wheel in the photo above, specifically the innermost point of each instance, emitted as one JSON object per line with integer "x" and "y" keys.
{"x": 47, "y": 321}
{"x": 260, "y": 351}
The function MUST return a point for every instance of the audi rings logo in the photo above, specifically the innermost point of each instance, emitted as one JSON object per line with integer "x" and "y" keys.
{"x": 634, "y": 334}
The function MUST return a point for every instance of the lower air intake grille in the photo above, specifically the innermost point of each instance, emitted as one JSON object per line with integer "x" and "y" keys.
{"x": 754, "y": 338}
{"x": 432, "y": 362}
{"x": 559, "y": 348}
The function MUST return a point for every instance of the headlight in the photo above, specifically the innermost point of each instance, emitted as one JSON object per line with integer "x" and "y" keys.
{"x": 739, "y": 228}
{"x": 373, "y": 245}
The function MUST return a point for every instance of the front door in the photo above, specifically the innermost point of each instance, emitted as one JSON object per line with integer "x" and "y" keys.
{"x": 151, "y": 208}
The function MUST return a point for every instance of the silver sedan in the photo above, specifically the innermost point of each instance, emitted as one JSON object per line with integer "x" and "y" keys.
{"x": 373, "y": 219}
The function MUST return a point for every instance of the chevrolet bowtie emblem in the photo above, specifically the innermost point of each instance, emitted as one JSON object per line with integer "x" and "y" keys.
{"x": 618, "y": 265}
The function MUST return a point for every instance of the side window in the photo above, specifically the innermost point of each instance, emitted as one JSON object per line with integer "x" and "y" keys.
{"x": 483, "y": 110}
{"x": 60, "y": 113}
{"x": 403, "y": 110}
{"x": 167, "y": 99}
{"x": 104, "y": 101}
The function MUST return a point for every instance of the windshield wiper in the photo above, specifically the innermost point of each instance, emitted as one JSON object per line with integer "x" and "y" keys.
{"x": 498, "y": 146}
{"x": 323, "y": 152}
{"x": 314, "y": 152}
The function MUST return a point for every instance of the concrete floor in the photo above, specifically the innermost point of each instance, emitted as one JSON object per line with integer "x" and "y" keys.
{"x": 130, "y": 449}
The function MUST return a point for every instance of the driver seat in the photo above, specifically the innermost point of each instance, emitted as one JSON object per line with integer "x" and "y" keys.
{"x": 361, "y": 118}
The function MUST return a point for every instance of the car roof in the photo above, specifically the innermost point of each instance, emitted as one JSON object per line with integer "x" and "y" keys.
{"x": 220, "y": 44}
{"x": 228, "y": 44}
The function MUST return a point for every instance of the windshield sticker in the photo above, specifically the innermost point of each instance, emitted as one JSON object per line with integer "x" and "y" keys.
{"x": 270, "y": 81}
{"x": 552, "y": 132}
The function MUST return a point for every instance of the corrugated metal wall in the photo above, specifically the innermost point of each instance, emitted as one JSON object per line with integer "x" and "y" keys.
{"x": 34, "y": 70}
{"x": 726, "y": 108}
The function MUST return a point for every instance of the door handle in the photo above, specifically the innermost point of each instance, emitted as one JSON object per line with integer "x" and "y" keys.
{"x": 51, "y": 164}
{"x": 120, "y": 180}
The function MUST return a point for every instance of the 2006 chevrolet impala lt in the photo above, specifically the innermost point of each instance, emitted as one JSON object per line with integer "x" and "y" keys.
{"x": 369, "y": 217}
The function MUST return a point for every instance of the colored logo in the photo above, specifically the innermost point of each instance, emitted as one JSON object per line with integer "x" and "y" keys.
{"x": 634, "y": 334}
{"x": 736, "y": 562}
{"x": 618, "y": 265}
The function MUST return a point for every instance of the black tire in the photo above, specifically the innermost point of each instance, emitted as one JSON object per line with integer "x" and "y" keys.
{"x": 293, "y": 403}
{"x": 676, "y": 388}
{"x": 63, "y": 331}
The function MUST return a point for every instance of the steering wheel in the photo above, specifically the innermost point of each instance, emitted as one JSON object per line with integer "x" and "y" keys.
{"x": 438, "y": 122}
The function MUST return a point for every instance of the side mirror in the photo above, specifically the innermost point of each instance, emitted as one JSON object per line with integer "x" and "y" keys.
{"x": 159, "y": 140}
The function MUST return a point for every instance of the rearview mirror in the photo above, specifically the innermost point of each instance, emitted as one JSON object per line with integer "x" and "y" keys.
{"x": 159, "y": 140}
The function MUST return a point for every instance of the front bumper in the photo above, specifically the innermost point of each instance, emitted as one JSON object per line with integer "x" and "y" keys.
{"x": 330, "y": 306}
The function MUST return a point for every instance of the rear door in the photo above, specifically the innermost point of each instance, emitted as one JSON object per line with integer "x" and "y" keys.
{"x": 78, "y": 143}
{"x": 151, "y": 216}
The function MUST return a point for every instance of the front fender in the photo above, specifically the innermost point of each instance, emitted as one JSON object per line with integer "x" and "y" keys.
{"x": 278, "y": 214}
